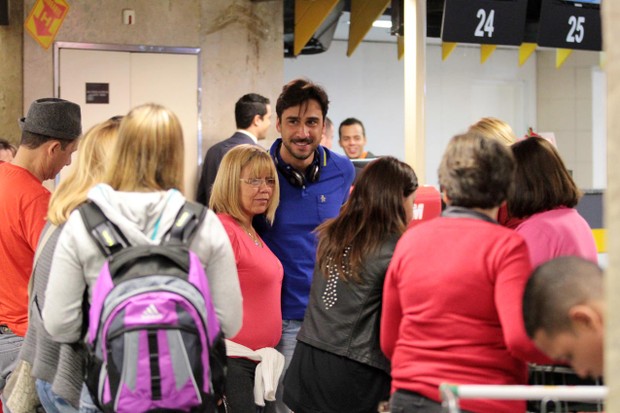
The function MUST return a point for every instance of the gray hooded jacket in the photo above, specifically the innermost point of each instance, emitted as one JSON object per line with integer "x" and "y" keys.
{"x": 143, "y": 217}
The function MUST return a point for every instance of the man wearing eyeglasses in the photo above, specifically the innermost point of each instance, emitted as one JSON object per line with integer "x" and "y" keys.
{"x": 314, "y": 183}
{"x": 253, "y": 119}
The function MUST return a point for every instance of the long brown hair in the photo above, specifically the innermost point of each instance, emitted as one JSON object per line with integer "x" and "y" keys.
{"x": 375, "y": 210}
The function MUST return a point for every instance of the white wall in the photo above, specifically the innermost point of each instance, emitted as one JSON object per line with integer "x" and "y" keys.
{"x": 460, "y": 90}
{"x": 565, "y": 102}
{"x": 369, "y": 86}
{"x": 599, "y": 129}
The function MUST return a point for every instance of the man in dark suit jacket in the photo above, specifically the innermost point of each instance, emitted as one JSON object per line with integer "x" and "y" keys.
{"x": 253, "y": 118}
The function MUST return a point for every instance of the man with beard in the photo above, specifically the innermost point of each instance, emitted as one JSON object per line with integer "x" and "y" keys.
{"x": 314, "y": 183}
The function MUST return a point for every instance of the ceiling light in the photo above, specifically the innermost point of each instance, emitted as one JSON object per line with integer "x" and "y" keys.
{"x": 384, "y": 24}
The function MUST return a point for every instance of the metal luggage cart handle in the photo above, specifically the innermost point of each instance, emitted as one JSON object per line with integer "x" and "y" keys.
{"x": 451, "y": 393}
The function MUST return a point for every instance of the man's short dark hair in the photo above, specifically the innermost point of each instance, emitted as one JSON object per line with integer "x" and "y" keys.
{"x": 247, "y": 107}
{"x": 33, "y": 140}
{"x": 299, "y": 91}
{"x": 349, "y": 122}
{"x": 554, "y": 288}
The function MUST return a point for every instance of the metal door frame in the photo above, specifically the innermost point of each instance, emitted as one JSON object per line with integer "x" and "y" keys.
{"x": 135, "y": 49}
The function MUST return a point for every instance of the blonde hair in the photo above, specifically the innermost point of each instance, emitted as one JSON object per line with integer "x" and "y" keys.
{"x": 149, "y": 153}
{"x": 93, "y": 155}
{"x": 226, "y": 193}
{"x": 494, "y": 128}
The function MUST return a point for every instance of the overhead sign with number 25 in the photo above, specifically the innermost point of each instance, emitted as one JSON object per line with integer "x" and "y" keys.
{"x": 570, "y": 25}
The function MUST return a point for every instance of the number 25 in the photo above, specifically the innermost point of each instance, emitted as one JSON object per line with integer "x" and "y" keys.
{"x": 576, "y": 32}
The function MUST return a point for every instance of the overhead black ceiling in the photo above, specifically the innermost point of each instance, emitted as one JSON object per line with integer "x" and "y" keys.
{"x": 434, "y": 17}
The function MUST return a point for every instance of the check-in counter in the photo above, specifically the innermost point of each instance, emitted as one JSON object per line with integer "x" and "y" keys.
{"x": 591, "y": 208}
{"x": 427, "y": 205}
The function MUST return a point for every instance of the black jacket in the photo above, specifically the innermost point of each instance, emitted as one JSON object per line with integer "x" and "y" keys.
{"x": 350, "y": 326}
{"x": 212, "y": 161}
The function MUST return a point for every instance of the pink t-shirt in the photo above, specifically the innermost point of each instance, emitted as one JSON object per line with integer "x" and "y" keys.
{"x": 556, "y": 233}
{"x": 260, "y": 277}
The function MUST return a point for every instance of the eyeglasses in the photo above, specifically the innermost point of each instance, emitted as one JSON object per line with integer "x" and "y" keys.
{"x": 257, "y": 182}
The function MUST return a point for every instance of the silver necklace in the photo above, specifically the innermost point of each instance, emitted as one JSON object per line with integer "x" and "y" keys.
{"x": 254, "y": 237}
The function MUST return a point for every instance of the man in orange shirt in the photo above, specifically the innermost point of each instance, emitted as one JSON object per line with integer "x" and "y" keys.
{"x": 352, "y": 139}
{"x": 50, "y": 135}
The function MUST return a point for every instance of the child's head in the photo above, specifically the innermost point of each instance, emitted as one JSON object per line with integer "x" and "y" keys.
{"x": 563, "y": 313}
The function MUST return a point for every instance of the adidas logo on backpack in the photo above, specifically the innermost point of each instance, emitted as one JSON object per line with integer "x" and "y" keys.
{"x": 151, "y": 312}
{"x": 154, "y": 340}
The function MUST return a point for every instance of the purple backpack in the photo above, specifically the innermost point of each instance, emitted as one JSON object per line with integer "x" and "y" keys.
{"x": 153, "y": 337}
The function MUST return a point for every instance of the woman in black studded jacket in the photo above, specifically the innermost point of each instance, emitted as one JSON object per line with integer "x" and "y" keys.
{"x": 338, "y": 365}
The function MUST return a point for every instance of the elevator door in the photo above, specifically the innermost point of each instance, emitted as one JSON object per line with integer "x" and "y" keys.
{"x": 120, "y": 80}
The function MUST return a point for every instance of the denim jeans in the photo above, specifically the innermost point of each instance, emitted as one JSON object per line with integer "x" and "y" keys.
{"x": 286, "y": 346}
{"x": 87, "y": 405}
{"x": 10, "y": 344}
{"x": 403, "y": 401}
{"x": 51, "y": 402}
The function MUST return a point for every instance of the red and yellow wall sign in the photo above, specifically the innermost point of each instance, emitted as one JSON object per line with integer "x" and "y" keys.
{"x": 45, "y": 20}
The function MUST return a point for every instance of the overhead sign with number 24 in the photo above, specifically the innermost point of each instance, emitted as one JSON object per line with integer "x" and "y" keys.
{"x": 484, "y": 21}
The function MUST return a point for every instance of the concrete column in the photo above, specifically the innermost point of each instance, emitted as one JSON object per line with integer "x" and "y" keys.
{"x": 611, "y": 34}
{"x": 242, "y": 52}
{"x": 11, "y": 68}
{"x": 415, "y": 78}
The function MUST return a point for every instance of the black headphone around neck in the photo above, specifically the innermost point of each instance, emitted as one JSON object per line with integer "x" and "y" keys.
{"x": 292, "y": 175}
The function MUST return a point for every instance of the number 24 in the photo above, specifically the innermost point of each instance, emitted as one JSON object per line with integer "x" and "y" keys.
{"x": 486, "y": 23}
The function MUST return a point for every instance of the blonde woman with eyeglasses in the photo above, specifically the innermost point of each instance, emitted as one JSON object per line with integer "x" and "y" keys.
{"x": 246, "y": 186}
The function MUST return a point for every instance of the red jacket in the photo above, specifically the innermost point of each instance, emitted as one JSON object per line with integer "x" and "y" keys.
{"x": 452, "y": 309}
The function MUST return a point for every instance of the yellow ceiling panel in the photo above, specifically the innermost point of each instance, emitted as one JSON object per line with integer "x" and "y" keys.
{"x": 309, "y": 15}
{"x": 525, "y": 51}
{"x": 486, "y": 50}
{"x": 363, "y": 14}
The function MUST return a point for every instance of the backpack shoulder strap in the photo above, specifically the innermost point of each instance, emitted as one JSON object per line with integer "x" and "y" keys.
{"x": 185, "y": 224}
{"x": 107, "y": 236}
